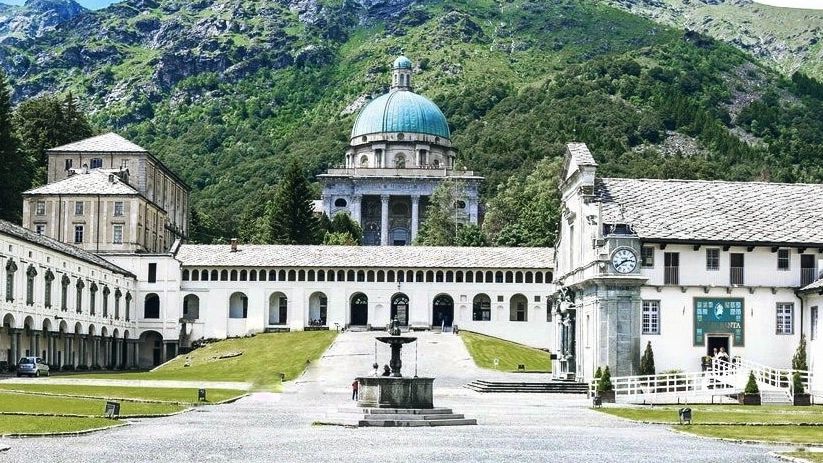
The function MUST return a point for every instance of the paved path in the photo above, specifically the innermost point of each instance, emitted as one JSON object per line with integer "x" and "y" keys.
{"x": 511, "y": 427}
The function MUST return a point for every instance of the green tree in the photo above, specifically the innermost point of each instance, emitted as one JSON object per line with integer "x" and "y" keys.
{"x": 471, "y": 235}
{"x": 14, "y": 174}
{"x": 526, "y": 210}
{"x": 605, "y": 383}
{"x": 647, "y": 361}
{"x": 46, "y": 122}
{"x": 343, "y": 230}
{"x": 751, "y": 385}
{"x": 439, "y": 228}
{"x": 291, "y": 218}
{"x": 799, "y": 359}
{"x": 203, "y": 229}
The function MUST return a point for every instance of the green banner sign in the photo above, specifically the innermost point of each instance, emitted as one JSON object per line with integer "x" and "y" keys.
{"x": 718, "y": 316}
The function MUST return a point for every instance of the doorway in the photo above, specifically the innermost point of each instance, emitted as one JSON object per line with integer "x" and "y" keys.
{"x": 716, "y": 342}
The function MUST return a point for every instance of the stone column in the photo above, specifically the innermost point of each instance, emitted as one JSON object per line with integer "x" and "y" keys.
{"x": 134, "y": 358}
{"x": 53, "y": 349}
{"x": 355, "y": 208}
{"x": 107, "y": 353}
{"x": 118, "y": 352}
{"x": 96, "y": 355}
{"x": 384, "y": 220}
{"x": 35, "y": 341}
{"x": 70, "y": 350}
{"x": 415, "y": 218}
{"x": 14, "y": 344}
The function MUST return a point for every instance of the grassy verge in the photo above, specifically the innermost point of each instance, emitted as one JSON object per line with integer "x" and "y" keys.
{"x": 159, "y": 394}
{"x": 813, "y": 457}
{"x": 723, "y": 414}
{"x": 261, "y": 361}
{"x": 27, "y": 424}
{"x": 485, "y": 349}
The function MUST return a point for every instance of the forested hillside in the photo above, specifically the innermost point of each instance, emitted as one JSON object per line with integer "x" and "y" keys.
{"x": 228, "y": 92}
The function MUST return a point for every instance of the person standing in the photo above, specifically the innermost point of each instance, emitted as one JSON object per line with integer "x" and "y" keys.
{"x": 354, "y": 388}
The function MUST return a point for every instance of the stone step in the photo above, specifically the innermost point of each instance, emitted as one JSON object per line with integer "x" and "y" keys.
{"x": 395, "y": 411}
{"x": 396, "y": 417}
{"x": 553, "y": 387}
{"x": 415, "y": 423}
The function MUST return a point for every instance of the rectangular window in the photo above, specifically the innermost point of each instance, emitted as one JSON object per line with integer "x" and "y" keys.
{"x": 647, "y": 257}
{"x": 713, "y": 259}
{"x": 117, "y": 234}
{"x": 118, "y": 208}
{"x": 68, "y": 164}
{"x": 783, "y": 259}
{"x": 78, "y": 233}
{"x": 152, "y": 273}
{"x": 671, "y": 262}
{"x": 96, "y": 163}
{"x": 124, "y": 164}
{"x": 813, "y": 328}
{"x": 47, "y": 293}
{"x": 78, "y": 208}
{"x": 40, "y": 229}
{"x": 785, "y": 318}
{"x": 651, "y": 317}
{"x": 40, "y": 208}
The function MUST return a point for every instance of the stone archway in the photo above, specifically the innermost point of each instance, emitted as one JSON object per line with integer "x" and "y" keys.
{"x": 278, "y": 309}
{"x": 443, "y": 310}
{"x": 150, "y": 349}
{"x": 318, "y": 309}
{"x": 359, "y": 310}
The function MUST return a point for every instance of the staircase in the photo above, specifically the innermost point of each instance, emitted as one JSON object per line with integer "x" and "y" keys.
{"x": 397, "y": 417}
{"x": 552, "y": 387}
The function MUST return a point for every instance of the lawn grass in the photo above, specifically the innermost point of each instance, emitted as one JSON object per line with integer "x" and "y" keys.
{"x": 722, "y": 414}
{"x": 160, "y": 394}
{"x": 38, "y": 404}
{"x": 800, "y": 435}
{"x": 813, "y": 457}
{"x": 28, "y": 424}
{"x": 485, "y": 349}
{"x": 263, "y": 358}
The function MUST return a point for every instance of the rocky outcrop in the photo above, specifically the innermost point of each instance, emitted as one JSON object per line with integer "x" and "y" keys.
{"x": 35, "y": 18}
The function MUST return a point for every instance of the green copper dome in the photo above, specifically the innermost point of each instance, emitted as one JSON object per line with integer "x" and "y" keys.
{"x": 401, "y": 111}
{"x": 402, "y": 62}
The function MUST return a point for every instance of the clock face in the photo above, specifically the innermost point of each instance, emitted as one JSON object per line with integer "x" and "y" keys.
{"x": 624, "y": 260}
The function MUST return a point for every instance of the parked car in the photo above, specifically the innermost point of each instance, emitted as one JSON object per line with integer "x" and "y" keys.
{"x": 32, "y": 366}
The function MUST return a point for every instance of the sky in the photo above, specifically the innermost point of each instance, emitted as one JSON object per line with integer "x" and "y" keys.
{"x": 90, "y": 4}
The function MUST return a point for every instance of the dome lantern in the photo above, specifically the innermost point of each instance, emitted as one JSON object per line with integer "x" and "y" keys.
{"x": 401, "y": 74}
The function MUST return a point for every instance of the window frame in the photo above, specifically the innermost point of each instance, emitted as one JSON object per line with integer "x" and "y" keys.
{"x": 78, "y": 234}
{"x": 40, "y": 208}
{"x": 118, "y": 208}
{"x": 713, "y": 262}
{"x": 647, "y": 257}
{"x": 784, "y": 260}
{"x": 117, "y": 234}
{"x": 79, "y": 207}
{"x": 784, "y": 318}
{"x": 650, "y": 318}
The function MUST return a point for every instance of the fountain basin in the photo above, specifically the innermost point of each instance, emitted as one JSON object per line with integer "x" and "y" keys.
{"x": 393, "y": 392}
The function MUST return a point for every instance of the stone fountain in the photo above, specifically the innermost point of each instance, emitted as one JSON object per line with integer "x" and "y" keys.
{"x": 396, "y": 400}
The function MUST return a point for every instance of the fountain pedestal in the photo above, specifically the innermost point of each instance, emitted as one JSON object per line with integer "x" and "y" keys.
{"x": 391, "y": 392}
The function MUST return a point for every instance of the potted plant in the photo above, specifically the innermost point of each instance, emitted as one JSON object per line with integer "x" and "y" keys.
{"x": 706, "y": 362}
{"x": 801, "y": 397}
{"x": 605, "y": 388}
{"x": 751, "y": 394}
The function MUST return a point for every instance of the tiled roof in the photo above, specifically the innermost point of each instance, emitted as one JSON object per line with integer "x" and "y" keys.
{"x": 95, "y": 181}
{"x": 579, "y": 155}
{"x": 732, "y": 212}
{"x": 106, "y": 143}
{"x": 365, "y": 256}
{"x": 28, "y": 235}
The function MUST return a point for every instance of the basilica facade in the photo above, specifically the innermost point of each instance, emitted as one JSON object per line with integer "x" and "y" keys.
{"x": 400, "y": 150}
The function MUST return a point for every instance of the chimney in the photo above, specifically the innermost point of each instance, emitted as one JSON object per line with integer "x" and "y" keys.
{"x": 234, "y": 245}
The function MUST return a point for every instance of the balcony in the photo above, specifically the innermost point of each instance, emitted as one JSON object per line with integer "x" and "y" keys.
{"x": 736, "y": 276}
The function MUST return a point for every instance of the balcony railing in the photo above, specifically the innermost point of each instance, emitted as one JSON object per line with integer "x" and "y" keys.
{"x": 671, "y": 275}
{"x": 736, "y": 276}
{"x": 807, "y": 276}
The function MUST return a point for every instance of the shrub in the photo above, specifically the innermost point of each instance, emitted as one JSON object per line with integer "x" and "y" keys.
{"x": 598, "y": 373}
{"x": 647, "y": 361}
{"x": 799, "y": 359}
{"x": 798, "y": 384}
{"x": 751, "y": 385}
{"x": 605, "y": 383}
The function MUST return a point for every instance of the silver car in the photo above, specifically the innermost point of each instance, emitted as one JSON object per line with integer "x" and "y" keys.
{"x": 32, "y": 366}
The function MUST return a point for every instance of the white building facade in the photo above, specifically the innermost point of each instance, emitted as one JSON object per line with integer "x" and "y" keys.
{"x": 689, "y": 266}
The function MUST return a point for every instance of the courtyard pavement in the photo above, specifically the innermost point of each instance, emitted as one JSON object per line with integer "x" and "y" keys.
{"x": 280, "y": 427}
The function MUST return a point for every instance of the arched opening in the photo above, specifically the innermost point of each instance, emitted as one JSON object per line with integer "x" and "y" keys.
{"x": 278, "y": 309}
{"x": 359, "y": 309}
{"x": 191, "y": 307}
{"x": 151, "y": 306}
{"x": 443, "y": 310}
{"x": 400, "y": 308}
{"x": 150, "y": 349}
{"x": 238, "y": 305}
{"x": 517, "y": 308}
{"x": 318, "y": 309}
{"x": 482, "y": 308}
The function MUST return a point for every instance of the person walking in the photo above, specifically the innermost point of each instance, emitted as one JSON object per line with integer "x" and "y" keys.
{"x": 354, "y": 388}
